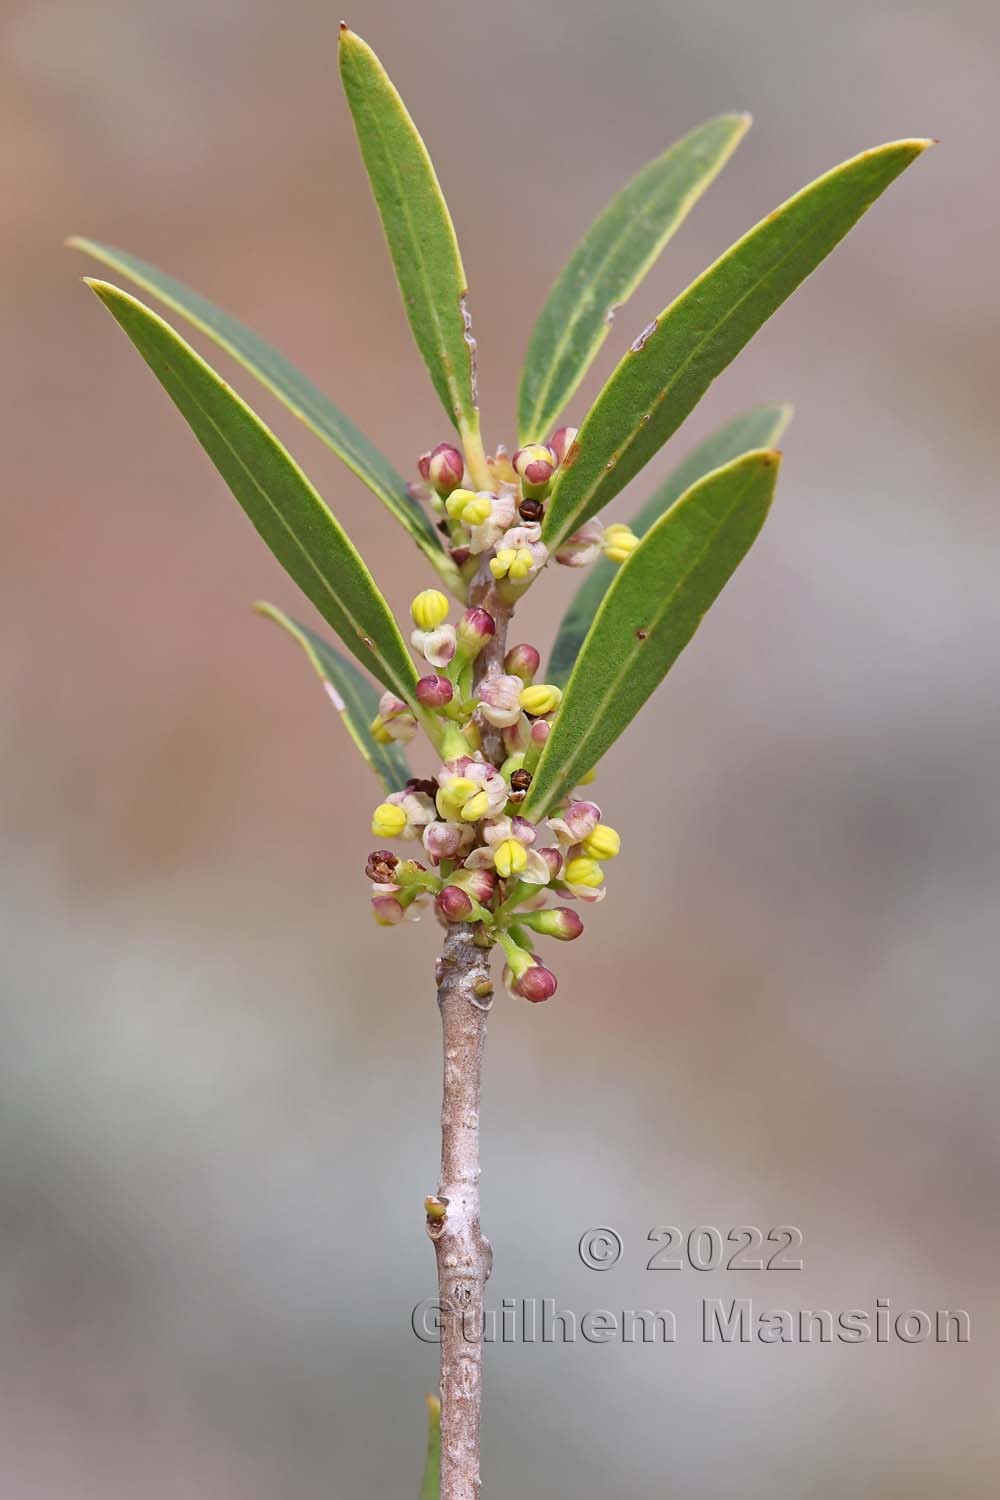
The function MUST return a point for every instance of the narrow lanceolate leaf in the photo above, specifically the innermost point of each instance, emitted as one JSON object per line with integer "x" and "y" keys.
{"x": 291, "y": 387}
{"x": 761, "y": 427}
{"x": 430, "y": 1488}
{"x": 649, "y": 614}
{"x": 608, "y": 265}
{"x": 673, "y": 362}
{"x": 283, "y": 506}
{"x": 351, "y": 694}
{"x": 418, "y": 228}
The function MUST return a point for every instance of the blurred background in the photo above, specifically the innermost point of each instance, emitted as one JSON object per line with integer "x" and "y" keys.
{"x": 218, "y": 1080}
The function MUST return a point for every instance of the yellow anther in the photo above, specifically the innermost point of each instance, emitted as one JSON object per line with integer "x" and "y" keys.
{"x": 476, "y": 807}
{"x": 478, "y": 510}
{"x": 522, "y": 565}
{"x": 603, "y": 843}
{"x": 388, "y": 821}
{"x": 500, "y": 565}
{"x": 541, "y": 698}
{"x": 457, "y": 501}
{"x": 453, "y": 796}
{"x": 583, "y": 871}
{"x": 619, "y": 542}
{"x": 429, "y": 609}
{"x": 510, "y": 858}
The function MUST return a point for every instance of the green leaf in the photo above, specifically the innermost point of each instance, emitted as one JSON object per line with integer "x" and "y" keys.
{"x": 283, "y": 506}
{"x": 351, "y": 694}
{"x": 673, "y": 362}
{"x": 418, "y": 228}
{"x": 430, "y": 1488}
{"x": 649, "y": 614}
{"x": 292, "y": 388}
{"x": 759, "y": 428}
{"x": 608, "y": 265}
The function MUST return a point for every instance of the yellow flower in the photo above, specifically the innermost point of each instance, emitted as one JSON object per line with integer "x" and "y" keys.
{"x": 509, "y": 858}
{"x": 388, "y": 821}
{"x": 542, "y": 698}
{"x": 583, "y": 871}
{"x": 429, "y": 609}
{"x": 619, "y": 542}
{"x": 602, "y": 843}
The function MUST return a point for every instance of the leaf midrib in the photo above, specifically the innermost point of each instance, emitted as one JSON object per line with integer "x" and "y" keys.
{"x": 561, "y": 780}
{"x": 458, "y": 405}
{"x": 688, "y": 202}
{"x": 694, "y": 351}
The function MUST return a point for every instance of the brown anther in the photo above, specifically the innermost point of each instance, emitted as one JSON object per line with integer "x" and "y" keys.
{"x": 531, "y": 510}
{"x": 381, "y": 866}
{"x": 520, "y": 781}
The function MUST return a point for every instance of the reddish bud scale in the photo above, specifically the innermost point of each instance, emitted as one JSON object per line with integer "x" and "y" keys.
{"x": 522, "y": 661}
{"x": 443, "y": 468}
{"x": 453, "y": 904}
{"x": 434, "y": 691}
{"x": 537, "y": 983}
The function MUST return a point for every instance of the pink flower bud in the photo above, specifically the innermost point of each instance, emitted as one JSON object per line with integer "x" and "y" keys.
{"x": 446, "y": 840}
{"x": 480, "y": 884}
{"x": 460, "y": 556}
{"x": 434, "y": 691}
{"x": 522, "y": 661}
{"x": 553, "y": 858}
{"x": 584, "y": 546}
{"x": 387, "y": 910}
{"x": 474, "y": 630}
{"x": 453, "y": 904}
{"x": 562, "y": 441}
{"x": 535, "y": 983}
{"x": 536, "y": 465}
{"x": 554, "y": 921}
{"x": 539, "y": 732}
{"x": 443, "y": 468}
{"x": 576, "y": 822}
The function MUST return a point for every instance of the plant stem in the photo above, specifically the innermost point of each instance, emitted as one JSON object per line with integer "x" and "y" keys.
{"x": 464, "y": 1256}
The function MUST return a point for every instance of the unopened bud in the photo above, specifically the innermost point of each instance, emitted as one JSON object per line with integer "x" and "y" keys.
{"x": 455, "y": 905}
{"x": 387, "y": 911}
{"x": 543, "y": 698}
{"x": 381, "y": 866}
{"x": 539, "y": 732}
{"x": 619, "y": 542}
{"x": 523, "y": 662}
{"x": 553, "y": 858}
{"x": 443, "y": 468}
{"x": 554, "y": 921}
{"x": 474, "y": 629}
{"x": 535, "y": 983}
{"x": 480, "y": 884}
{"x": 388, "y": 821}
{"x": 429, "y": 609}
{"x": 531, "y": 510}
{"x": 562, "y": 441}
{"x": 535, "y": 464}
{"x": 602, "y": 843}
{"x": 434, "y": 691}
{"x": 435, "y": 1208}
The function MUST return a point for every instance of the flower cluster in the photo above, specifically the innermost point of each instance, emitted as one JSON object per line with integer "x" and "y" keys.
{"x": 483, "y": 862}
